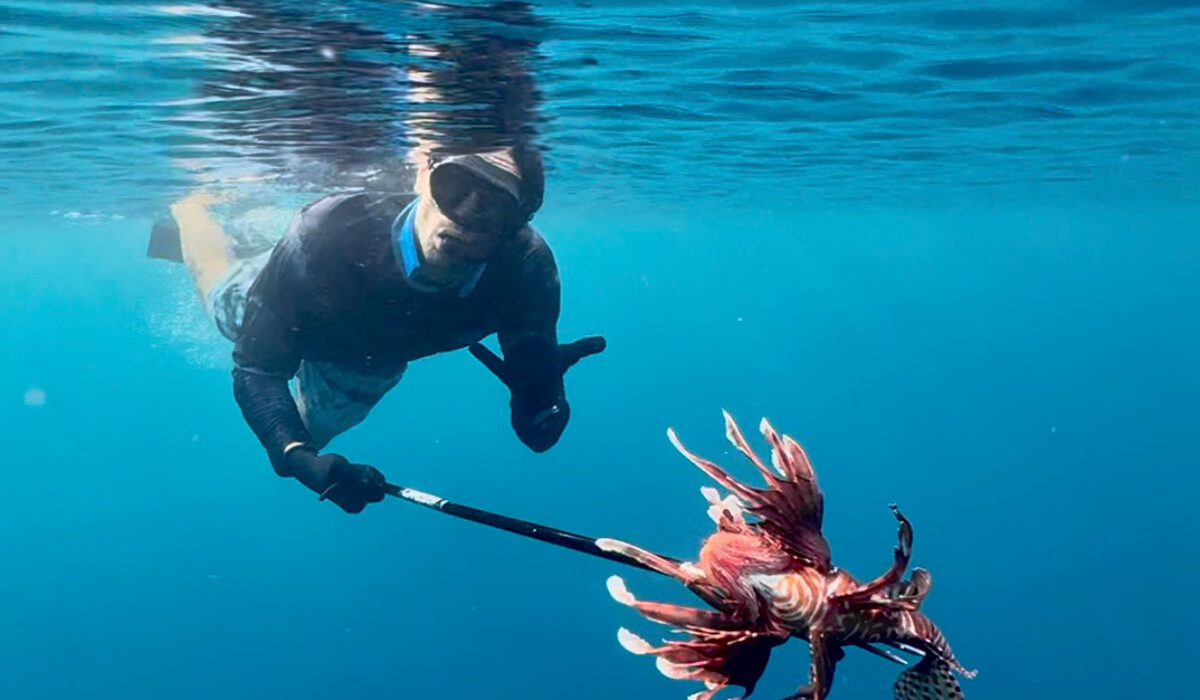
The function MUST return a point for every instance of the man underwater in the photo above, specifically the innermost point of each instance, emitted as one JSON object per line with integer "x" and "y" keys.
{"x": 369, "y": 279}
{"x": 362, "y": 284}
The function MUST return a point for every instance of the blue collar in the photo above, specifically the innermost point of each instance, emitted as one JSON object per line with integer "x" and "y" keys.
{"x": 404, "y": 239}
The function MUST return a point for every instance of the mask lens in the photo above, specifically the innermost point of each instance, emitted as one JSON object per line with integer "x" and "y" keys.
{"x": 472, "y": 202}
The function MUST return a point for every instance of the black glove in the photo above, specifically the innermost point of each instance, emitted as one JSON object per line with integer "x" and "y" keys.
{"x": 533, "y": 371}
{"x": 350, "y": 486}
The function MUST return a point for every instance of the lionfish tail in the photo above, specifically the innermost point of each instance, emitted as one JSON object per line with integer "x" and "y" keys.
{"x": 929, "y": 680}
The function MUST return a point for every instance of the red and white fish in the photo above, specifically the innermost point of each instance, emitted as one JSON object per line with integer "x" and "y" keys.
{"x": 769, "y": 578}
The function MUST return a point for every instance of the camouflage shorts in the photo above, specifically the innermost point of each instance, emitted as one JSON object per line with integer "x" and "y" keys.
{"x": 331, "y": 398}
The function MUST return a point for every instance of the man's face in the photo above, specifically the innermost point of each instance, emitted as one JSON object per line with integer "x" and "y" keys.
{"x": 442, "y": 239}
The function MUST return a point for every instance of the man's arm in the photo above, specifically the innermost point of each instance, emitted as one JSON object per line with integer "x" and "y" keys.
{"x": 534, "y": 300}
{"x": 534, "y": 362}
{"x": 267, "y": 355}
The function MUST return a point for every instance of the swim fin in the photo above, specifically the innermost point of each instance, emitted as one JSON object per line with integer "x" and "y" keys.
{"x": 164, "y": 240}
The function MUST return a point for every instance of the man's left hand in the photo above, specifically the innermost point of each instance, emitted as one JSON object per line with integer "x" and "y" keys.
{"x": 533, "y": 371}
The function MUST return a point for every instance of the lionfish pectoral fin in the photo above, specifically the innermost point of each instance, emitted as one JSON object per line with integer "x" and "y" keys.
{"x": 717, "y": 658}
{"x": 683, "y": 571}
{"x": 669, "y": 613}
{"x": 633, "y": 643}
{"x": 928, "y": 680}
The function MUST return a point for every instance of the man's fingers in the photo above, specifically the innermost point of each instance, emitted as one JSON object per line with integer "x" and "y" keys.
{"x": 489, "y": 360}
{"x": 576, "y": 351}
{"x": 568, "y": 354}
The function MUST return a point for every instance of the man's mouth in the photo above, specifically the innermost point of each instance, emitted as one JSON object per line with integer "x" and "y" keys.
{"x": 464, "y": 245}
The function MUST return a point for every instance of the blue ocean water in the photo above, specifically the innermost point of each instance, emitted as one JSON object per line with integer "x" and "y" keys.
{"x": 950, "y": 247}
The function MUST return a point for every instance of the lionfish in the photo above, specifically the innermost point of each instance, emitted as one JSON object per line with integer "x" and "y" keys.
{"x": 770, "y": 579}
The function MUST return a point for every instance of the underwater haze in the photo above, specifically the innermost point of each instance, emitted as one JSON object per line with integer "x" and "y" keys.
{"x": 953, "y": 248}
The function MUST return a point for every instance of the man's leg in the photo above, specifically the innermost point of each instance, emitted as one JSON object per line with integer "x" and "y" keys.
{"x": 202, "y": 240}
{"x": 333, "y": 399}
{"x": 226, "y": 246}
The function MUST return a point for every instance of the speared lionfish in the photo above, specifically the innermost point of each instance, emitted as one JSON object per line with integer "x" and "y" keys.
{"x": 771, "y": 579}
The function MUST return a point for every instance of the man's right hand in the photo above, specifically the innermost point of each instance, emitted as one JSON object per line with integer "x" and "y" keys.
{"x": 350, "y": 486}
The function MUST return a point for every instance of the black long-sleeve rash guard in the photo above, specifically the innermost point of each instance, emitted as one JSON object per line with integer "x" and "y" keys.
{"x": 334, "y": 291}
